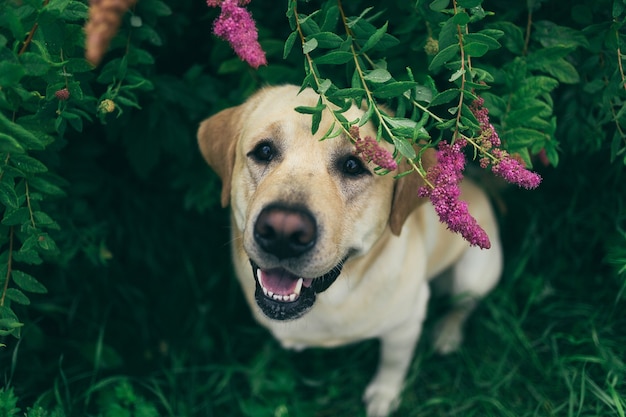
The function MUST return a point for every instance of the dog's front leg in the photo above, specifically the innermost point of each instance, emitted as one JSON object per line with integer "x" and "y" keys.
{"x": 382, "y": 395}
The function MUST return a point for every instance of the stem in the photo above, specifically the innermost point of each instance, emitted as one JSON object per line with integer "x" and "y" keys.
{"x": 30, "y": 208}
{"x": 426, "y": 110}
{"x": 478, "y": 148}
{"x": 9, "y": 267}
{"x": 463, "y": 79}
{"x": 529, "y": 24}
{"x": 312, "y": 69}
{"x": 370, "y": 97}
{"x": 29, "y": 38}
{"x": 619, "y": 60}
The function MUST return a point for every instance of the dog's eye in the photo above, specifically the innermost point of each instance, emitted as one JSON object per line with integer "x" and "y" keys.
{"x": 263, "y": 152}
{"x": 353, "y": 166}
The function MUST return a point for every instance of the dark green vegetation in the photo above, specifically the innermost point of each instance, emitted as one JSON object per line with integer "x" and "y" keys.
{"x": 117, "y": 216}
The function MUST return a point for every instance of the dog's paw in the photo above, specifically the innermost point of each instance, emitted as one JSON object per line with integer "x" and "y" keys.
{"x": 448, "y": 335}
{"x": 381, "y": 400}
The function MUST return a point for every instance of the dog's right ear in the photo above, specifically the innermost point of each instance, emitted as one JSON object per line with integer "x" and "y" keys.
{"x": 217, "y": 138}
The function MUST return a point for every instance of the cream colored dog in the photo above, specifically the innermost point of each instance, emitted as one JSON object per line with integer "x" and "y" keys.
{"x": 330, "y": 253}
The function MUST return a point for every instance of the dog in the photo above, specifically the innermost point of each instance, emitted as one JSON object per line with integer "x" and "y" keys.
{"x": 327, "y": 251}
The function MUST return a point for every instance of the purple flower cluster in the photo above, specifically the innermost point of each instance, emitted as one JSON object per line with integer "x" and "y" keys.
{"x": 371, "y": 150}
{"x": 445, "y": 177}
{"x": 513, "y": 171}
{"x": 236, "y": 26}
{"x": 503, "y": 164}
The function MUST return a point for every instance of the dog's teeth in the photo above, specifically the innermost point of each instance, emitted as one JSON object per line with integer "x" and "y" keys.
{"x": 264, "y": 290}
{"x": 296, "y": 292}
{"x": 271, "y": 294}
{"x": 258, "y": 275}
{"x": 292, "y": 297}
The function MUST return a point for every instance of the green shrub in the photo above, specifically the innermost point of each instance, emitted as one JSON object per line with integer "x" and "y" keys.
{"x": 114, "y": 248}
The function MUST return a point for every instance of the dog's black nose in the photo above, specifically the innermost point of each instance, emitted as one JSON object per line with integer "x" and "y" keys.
{"x": 285, "y": 232}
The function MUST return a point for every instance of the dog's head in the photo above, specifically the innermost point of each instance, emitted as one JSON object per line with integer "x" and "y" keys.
{"x": 303, "y": 206}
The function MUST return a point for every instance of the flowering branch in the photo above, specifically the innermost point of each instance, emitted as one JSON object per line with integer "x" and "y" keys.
{"x": 502, "y": 164}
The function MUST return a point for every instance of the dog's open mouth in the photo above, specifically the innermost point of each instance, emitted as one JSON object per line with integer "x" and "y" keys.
{"x": 282, "y": 295}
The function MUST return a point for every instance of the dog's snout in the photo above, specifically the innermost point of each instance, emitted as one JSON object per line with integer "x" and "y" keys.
{"x": 285, "y": 232}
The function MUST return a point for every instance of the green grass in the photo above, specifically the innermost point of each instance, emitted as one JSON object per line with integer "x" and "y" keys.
{"x": 179, "y": 340}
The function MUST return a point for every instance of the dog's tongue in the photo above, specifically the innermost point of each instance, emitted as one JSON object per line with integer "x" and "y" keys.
{"x": 280, "y": 281}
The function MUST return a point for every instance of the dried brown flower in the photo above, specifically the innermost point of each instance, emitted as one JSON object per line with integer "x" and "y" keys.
{"x": 104, "y": 20}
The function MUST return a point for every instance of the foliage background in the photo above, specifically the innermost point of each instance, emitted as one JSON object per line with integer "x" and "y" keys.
{"x": 141, "y": 315}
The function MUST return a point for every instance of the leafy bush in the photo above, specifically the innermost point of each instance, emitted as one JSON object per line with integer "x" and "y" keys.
{"x": 113, "y": 246}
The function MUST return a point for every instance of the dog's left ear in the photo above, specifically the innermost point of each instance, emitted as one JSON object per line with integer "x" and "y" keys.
{"x": 405, "y": 198}
{"x": 217, "y": 138}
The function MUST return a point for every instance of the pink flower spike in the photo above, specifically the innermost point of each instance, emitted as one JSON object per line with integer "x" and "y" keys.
{"x": 371, "y": 150}
{"x": 507, "y": 167}
{"x": 445, "y": 178}
{"x": 514, "y": 172}
{"x": 236, "y": 26}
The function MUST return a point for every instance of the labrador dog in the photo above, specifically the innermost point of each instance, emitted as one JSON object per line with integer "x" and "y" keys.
{"x": 327, "y": 251}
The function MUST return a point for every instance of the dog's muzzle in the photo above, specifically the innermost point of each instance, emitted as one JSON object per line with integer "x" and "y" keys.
{"x": 285, "y": 232}
{"x": 282, "y": 295}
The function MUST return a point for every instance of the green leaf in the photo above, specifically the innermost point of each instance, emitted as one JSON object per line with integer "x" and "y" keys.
{"x": 550, "y": 34}
{"x": 8, "y": 319}
{"x": 43, "y": 220}
{"x": 461, "y": 19}
{"x": 47, "y": 243}
{"x": 403, "y": 127}
{"x": 309, "y": 26}
{"x": 404, "y": 147}
{"x": 534, "y": 86}
{"x": 521, "y": 137}
{"x": 469, "y": 4}
{"x": 443, "y": 56}
{"x": 75, "y": 11}
{"x": 482, "y": 38}
{"x": 309, "y": 46}
{"x": 327, "y": 40}
{"x": 28, "y": 283}
{"x": 375, "y": 38}
{"x": 34, "y": 64}
{"x": 310, "y": 110}
{"x": 476, "y": 49}
{"x": 56, "y": 7}
{"x": 523, "y": 116}
{"x": 334, "y": 58}
{"x": 394, "y": 89}
{"x": 513, "y": 38}
{"x": 378, "y": 75}
{"x": 8, "y": 196}
{"x": 291, "y": 15}
{"x": 423, "y": 94}
{"x": 349, "y": 93}
{"x": 291, "y": 40}
{"x": 10, "y": 73}
{"x": 8, "y": 144}
{"x": 45, "y": 186}
{"x": 563, "y": 71}
{"x": 19, "y": 132}
{"x": 18, "y": 296}
{"x": 439, "y": 5}
{"x": 16, "y": 217}
{"x": 30, "y": 257}
{"x": 331, "y": 132}
{"x": 27, "y": 164}
{"x": 445, "y": 97}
